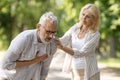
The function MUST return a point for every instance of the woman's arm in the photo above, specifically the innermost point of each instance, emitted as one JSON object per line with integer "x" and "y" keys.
{"x": 64, "y": 48}
{"x": 86, "y": 49}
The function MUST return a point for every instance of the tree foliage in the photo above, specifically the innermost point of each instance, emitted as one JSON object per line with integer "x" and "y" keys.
{"x": 19, "y": 15}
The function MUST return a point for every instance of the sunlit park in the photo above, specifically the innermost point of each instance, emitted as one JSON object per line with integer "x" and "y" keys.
{"x": 19, "y": 15}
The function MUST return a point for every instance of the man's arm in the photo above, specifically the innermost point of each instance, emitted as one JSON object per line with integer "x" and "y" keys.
{"x": 29, "y": 62}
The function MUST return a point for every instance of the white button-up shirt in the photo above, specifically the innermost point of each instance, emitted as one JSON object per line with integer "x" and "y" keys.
{"x": 24, "y": 47}
{"x": 87, "y": 51}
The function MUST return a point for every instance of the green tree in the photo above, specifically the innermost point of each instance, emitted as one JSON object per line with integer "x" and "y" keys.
{"x": 19, "y": 15}
{"x": 110, "y": 26}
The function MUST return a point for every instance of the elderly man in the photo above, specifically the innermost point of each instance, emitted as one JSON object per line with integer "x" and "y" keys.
{"x": 30, "y": 53}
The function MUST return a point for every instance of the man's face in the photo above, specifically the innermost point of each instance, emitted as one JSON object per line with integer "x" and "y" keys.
{"x": 47, "y": 32}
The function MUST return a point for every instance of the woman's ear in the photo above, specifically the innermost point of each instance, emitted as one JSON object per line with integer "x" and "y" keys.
{"x": 38, "y": 26}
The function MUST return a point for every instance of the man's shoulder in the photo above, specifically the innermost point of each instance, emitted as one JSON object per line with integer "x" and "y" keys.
{"x": 28, "y": 32}
{"x": 25, "y": 36}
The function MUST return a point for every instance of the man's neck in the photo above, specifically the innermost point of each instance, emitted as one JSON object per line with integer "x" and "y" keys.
{"x": 38, "y": 38}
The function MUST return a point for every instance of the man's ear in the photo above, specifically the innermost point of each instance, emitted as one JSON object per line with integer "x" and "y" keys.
{"x": 38, "y": 26}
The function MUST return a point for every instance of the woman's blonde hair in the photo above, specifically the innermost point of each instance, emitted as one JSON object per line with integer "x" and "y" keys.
{"x": 93, "y": 10}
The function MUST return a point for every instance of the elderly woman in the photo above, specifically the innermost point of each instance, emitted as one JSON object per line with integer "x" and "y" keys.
{"x": 83, "y": 38}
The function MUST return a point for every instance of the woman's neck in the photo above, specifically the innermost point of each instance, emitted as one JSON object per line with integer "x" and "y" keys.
{"x": 84, "y": 28}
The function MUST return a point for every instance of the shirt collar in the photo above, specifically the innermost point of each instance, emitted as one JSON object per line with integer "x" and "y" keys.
{"x": 35, "y": 41}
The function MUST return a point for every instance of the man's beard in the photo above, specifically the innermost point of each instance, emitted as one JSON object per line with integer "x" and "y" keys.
{"x": 43, "y": 39}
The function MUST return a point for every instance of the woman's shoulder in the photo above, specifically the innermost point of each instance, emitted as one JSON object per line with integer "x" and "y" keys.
{"x": 74, "y": 27}
{"x": 96, "y": 33}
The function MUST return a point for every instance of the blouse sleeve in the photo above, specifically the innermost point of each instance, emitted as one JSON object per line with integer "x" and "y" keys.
{"x": 89, "y": 46}
{"x": 66, "y": 38}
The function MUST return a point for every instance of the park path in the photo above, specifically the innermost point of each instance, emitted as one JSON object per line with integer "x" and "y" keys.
{"x": 55, "y": 72}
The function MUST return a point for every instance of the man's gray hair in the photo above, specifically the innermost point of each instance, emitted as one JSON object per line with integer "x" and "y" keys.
{"x": 48, "y": 16}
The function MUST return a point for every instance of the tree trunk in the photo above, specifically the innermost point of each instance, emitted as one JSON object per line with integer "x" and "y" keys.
{"x": 112, "y": 47}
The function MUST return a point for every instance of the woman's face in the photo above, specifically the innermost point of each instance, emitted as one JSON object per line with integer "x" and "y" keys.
{"x": 87, "y": 19}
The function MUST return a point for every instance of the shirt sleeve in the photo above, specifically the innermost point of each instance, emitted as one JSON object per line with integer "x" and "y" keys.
{"x": 13, "y": 53}
{"x": 89, "y": 47}
{"x": 66, "y": 38}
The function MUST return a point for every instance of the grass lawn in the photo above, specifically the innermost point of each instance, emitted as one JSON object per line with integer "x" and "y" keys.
{"x": 113, "y": 63}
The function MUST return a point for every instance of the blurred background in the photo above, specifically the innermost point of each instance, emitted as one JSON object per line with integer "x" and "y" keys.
{"x": 19, "y": 15}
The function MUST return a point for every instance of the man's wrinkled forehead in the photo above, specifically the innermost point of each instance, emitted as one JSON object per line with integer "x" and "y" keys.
{"x": 50, "y": 24}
